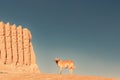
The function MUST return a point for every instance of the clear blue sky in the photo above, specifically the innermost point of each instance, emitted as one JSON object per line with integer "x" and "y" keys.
{"x": 86, "y": 31}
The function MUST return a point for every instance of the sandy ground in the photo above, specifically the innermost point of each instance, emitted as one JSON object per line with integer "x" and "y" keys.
{"x": 6, "y": 76}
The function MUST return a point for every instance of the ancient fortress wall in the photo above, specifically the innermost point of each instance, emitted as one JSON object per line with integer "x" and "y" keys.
{"x": 16, "y": 50}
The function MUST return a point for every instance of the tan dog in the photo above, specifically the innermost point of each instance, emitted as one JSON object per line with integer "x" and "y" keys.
{"x": 65, "y": 64}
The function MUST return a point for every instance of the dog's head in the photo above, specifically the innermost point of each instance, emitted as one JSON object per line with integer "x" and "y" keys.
{"x": 57, "y": 60}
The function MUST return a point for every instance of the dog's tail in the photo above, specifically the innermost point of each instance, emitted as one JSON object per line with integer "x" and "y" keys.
{"x": 74, "y": 67}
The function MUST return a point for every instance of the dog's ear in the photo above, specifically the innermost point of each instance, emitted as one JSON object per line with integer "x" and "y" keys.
{"x": 57, "y": 59}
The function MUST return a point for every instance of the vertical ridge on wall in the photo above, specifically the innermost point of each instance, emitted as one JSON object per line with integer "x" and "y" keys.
{"x": 20, "y": 45}
{"x": 8, "y": 43}
{"x": 2, "y": 43}
{"x": 14, "y": 44}
{"x": 26, "y": 45}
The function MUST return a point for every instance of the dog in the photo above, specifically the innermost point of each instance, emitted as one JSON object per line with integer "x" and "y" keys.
{"x": 65, "y": 64}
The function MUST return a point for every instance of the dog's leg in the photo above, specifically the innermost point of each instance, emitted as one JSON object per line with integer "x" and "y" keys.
{"x": 60, "y": 71}
{"x": 70, "y": 71}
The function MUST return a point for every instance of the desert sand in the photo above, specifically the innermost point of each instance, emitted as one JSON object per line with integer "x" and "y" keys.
{"x": 37, "y": 76}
